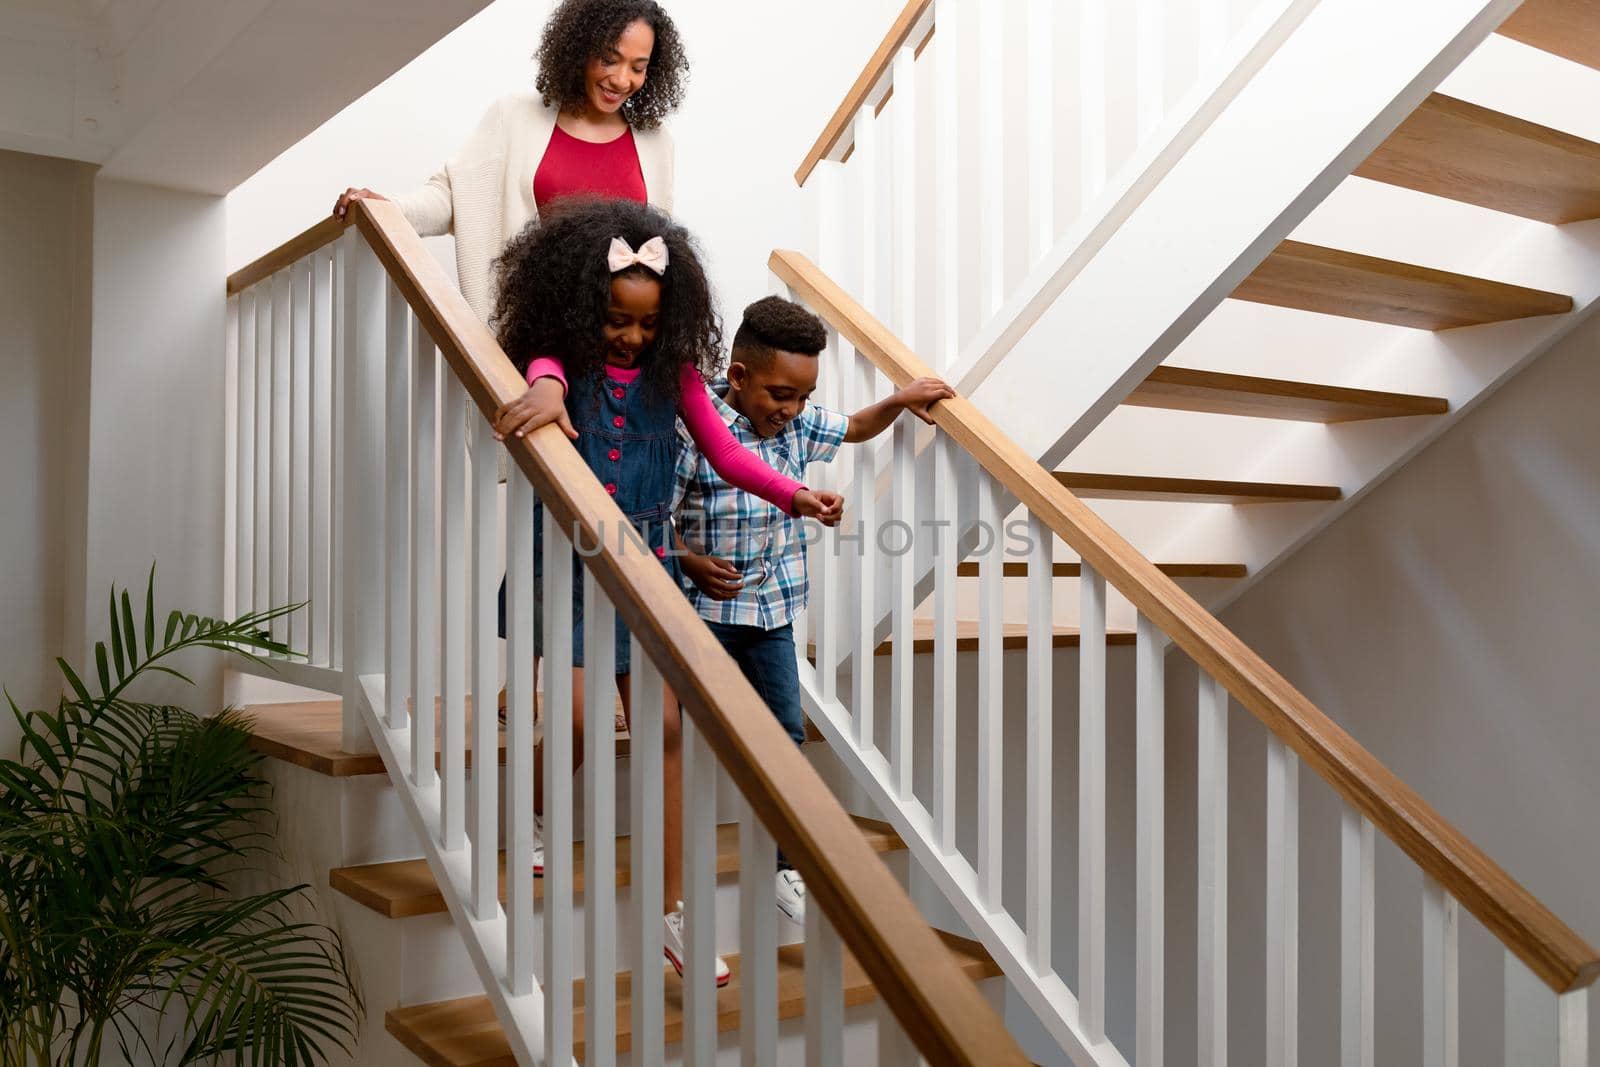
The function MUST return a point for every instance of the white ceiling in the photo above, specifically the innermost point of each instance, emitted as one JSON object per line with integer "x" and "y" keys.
{"x": 196, "y": 94}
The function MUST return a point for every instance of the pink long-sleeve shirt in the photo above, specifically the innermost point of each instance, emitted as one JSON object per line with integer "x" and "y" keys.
{"x": 734, "y": 463}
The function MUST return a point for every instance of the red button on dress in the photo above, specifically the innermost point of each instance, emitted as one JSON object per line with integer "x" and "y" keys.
{"x": 661, "y": 552}
{"x": 617, "y": 393}
{"x": 614, "y": 455}
{"x": 611, "y": 487}
{"x": 617, "y": 422}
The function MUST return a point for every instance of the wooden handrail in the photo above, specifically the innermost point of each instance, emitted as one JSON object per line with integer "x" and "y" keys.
{"x": 941, "y": 1009}
{"x": 291, "y": 251}
{"x": 878, "y": 66}
{"x": 1551, "y": 949}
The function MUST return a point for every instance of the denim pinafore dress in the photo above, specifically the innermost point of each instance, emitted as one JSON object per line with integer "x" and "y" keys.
{"x": 630, "y": 440}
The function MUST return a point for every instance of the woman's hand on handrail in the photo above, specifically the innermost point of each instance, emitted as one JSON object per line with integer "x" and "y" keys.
{"x": 342, "y": 205}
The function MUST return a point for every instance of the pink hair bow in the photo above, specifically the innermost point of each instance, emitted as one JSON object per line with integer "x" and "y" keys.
{"x": 651, "y": 254}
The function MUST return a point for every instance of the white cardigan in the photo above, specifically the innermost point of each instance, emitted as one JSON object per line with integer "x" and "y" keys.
{"x": 485, "y": 194}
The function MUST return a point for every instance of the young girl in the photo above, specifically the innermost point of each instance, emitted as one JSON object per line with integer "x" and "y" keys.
{"x": 611, "y": 295}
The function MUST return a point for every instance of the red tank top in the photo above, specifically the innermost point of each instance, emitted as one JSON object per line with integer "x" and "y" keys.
{"x": 571, "y": 166}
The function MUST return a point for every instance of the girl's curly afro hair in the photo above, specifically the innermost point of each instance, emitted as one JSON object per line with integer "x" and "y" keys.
{"x": 581, "y": 30}
{"x": 555, "y": 289}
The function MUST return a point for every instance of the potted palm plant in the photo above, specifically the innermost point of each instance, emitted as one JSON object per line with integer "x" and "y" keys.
{"x": 122, "y": 826}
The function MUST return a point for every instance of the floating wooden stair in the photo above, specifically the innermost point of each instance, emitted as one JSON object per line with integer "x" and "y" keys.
{"x": 1013, "y": 638}
{"x": 1333, "y": 282}
{"x": 1186, "y": 389}
{"x": 1189, "y": 490}
{"x": 969, "y": 569}
{"x": 464, "y": 1033}
{"x": 1567, "y": 28}
{"x": 310, "y": 735}
{"x": 1458, "y": 150}
{"x": 406, "y": 888}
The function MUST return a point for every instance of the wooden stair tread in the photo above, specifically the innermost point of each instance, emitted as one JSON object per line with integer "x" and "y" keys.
{"x": 309, "y": 734}
{"x": 1014, "y": 637}
{"x": 1191, "y": 490}
{"x": 405, "y": 888}
{"x": 465, "y": 1033}
{"x": 1458, "y": 150}
{"x": 1567, "y": 28}
{"x": 1334, "y": 282}
{"x": 1188, "y": 389}
{"x": 1018, "y": 569}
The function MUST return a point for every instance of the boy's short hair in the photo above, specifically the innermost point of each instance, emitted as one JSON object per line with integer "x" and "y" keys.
{"x": 773, "y": 324}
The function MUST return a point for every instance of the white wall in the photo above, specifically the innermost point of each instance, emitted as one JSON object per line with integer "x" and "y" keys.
{"x": 44, "y": 251}
{"x": 155, "y": 486}
{"x": 765, "y": 80}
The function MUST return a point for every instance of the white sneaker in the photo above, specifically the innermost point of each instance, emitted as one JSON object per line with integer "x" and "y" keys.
{"x": 538, "y": 845}
{"x": 792, "y": 895}
{"x": 672, "y": 946}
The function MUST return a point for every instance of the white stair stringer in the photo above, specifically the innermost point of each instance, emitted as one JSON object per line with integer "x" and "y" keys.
{"x": 522, "y": 1017}
{"x": 1046, "y": 995}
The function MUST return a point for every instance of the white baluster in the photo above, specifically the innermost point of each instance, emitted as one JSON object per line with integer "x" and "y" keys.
{"x": 299, "y": 516}
{"x": 868, "y": 167}
{"x": 261, "y": 579}
{"x": 902, "y": 661}
{"x": 906, "y": 201}
{"x": 1092, "y": 803}
{"x": 830, "y": 566}
{"x": 824, "y": 990}
{"x": 700, "y": 891}
{"x": 866, "y": 621}
{"x": 244, "y": 551}
{"x": 1441, "y": 1031}
{"x": 991, "y": 694}
{"x": 1040, "y": 788}
{"x": 758, "y": 940}
{"x": 946, "y": 556}
{"x": 1543, "y": 1028}
{"x": 1042, "y": 63}
{"x": 991, "y": 161}
{"x": 230, "y": 461}
{"x": 485, "y": 669}
{"x": 600, "y": 821}
{"x": 359, "y": 505}
{"x": 946, "y": 176}
{"x": 424, "y": 558}
{"x": 1212, "y": 873}
{"x": 520, "y": 704}
{"x": 645, "y": 800}
{"x": 1572, "y": 1029}
{"x": 1283, "y": 907}
{"x": 281, "y": 396}
{"x": 1093, "y": 42}
{"x": 1357, "y": 934}
{"x": 453, "y": 508}
{"x": 397, "y": 512}
{"x": 1150, "y": 776}
{"x": 322, "y": 466}
{"x": 558, "y": 875}
{"x": 341, "y": 317}
{"x": 1150, "y": 61}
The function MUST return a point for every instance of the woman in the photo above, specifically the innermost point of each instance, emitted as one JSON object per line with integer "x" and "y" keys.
{"x": 609, "y": 72}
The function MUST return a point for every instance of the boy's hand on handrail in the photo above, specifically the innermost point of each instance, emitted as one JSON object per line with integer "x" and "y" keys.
{"x": 342, "y": 205}
{"x": 824, "y": 506}
{"x": 716, "y": 578}
{"x": 544, "y": 402}
{"x": 919, "y": 395}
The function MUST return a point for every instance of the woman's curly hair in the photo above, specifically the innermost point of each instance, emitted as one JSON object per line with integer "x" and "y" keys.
{"x": 555, "y": 288}
{"x": 581, "y": 30}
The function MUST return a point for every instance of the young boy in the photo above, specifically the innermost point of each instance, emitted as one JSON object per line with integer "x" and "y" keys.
{"x": 743, "y": 556}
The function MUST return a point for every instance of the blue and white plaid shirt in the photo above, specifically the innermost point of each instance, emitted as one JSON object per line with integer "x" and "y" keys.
{"x": 716, "y": 519}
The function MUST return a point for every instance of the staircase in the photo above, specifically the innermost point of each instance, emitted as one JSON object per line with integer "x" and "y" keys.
{"x": 950, "y": 762}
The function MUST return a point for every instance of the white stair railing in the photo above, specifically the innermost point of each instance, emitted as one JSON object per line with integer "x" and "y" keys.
{"x": 382, "y": 379}
{"x": 1547, "y": 967}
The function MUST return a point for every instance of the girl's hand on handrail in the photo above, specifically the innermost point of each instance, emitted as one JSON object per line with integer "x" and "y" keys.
{"x": 342, "y": 205}
{"x": 544, "y": 402}
{"x": 824, "y": 506}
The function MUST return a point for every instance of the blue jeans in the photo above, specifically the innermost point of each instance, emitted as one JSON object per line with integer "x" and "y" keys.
{"x": 767, "y": 658}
